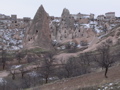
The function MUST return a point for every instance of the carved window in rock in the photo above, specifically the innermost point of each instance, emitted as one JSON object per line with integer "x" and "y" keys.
{"x": 81, "y": 34}
{"x": 60, "y": 37}
{"x": 47, "y": 17}
{"x": 36, "y": 31}
{"x": 15, "y": 21}
{"x": 59, "y": 31}
{"x": 65, "y": 36}
{"x": 28, "y": 39}
{"x": 52, "y": 31}
{"x": 75, "y": 35}
{"x": 50, "y": 36}
{"x": 79, "y": 30}
{"x": 72, "y": 37}
{"x": 65, "y": 31}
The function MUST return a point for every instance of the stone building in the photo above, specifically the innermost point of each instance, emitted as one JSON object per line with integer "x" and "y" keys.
{"x": 82, "y": 16}
{"x": 100, "y": 17}
{"x": 7, "y": 22}
{"x": 26, "y": 19}
{"x": 13, "y": 17}
{"x": 2, "y": 16}
{"x": 110, "y": 15}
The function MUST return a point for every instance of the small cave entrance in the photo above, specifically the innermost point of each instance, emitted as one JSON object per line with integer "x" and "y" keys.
{"x": 28, "y": 39}
{"x": 65, "y": 31}
{"x": 15, "y": 21}
{"x": 50, "y": 36}
{"x": 36, "y": 31}
{"x": 65, "y": 36}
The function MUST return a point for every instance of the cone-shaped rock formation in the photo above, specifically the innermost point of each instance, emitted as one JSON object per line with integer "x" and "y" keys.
{"x": 67, "y": 18}
{"x": 38, "y": 35}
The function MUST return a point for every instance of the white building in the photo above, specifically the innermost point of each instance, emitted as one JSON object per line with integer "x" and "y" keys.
{"x": 100, "y": 17}
{"x": 110, "y": 15}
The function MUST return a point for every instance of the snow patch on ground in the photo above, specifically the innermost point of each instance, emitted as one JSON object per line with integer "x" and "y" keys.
{"x": 56, "y": 20}
{"x": 16, "y": 66}
{"x": 2, "y": 81}
{"x": 7, "y": 37}
{"x": 33, "y": 74}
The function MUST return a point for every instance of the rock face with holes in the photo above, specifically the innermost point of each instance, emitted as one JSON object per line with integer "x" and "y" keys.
{"x": 67, "y": 19}
{"x": 67, "y": 28}
{"x": 38, "y": 34}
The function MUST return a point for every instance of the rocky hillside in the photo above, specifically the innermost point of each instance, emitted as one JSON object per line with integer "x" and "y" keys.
{"x": 46, "y": 45}
{"x": 79, "y": 29}
{"x": 76, "y": 30}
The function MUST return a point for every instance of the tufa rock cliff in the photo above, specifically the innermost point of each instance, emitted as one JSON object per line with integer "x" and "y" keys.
{"x": 67, "y": 19}
{"x": 38, "y": 34}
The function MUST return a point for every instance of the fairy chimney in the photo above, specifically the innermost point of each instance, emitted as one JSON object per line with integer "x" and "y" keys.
{"x": 38, "y": 34}
{"x": 67, "y": 18}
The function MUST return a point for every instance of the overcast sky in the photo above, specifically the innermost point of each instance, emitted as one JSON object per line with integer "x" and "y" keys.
{"x": 28, "y": 8}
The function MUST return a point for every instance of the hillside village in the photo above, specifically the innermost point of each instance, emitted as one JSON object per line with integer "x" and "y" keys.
{"x": 67, "y": 49}
{"x": 12, "y": 31}
{"x": 73, "y": 28}
{"x": 81, "y": 28}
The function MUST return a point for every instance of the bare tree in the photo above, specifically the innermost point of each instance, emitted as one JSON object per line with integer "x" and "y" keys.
{"x": 47, "y": 67}
{"x": 73, "y": 67}
{"x": 85, "y": 58}
{"x": 13, "y": 74}
{"x": 69, "y": 66}
{"x": 3, "y": 57}
{"x": 31, "y": 58}
{"x": 38, "y": 64}
{"x": 104, "y": 58}
{"x": 26, "y": 82}
{"x": 23, "y": 71}
{"x": 19, "y": 57}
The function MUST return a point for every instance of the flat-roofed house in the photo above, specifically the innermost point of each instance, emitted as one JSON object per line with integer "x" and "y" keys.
{"x": 110, "y": 15}
{"x": 100, "y": 17}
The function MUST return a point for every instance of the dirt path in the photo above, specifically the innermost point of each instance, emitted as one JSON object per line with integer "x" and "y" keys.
{"x": 84, "y": 81}
{"x": 4, "y": 74}
{"x": 95, "y": 40}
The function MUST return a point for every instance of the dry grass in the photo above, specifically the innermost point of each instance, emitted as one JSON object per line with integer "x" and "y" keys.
{"x": 83, "y": 81}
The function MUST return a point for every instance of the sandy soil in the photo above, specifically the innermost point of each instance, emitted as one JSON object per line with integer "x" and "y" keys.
{"x": 84, "y": 81}
{"x": 4, "y": 74}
